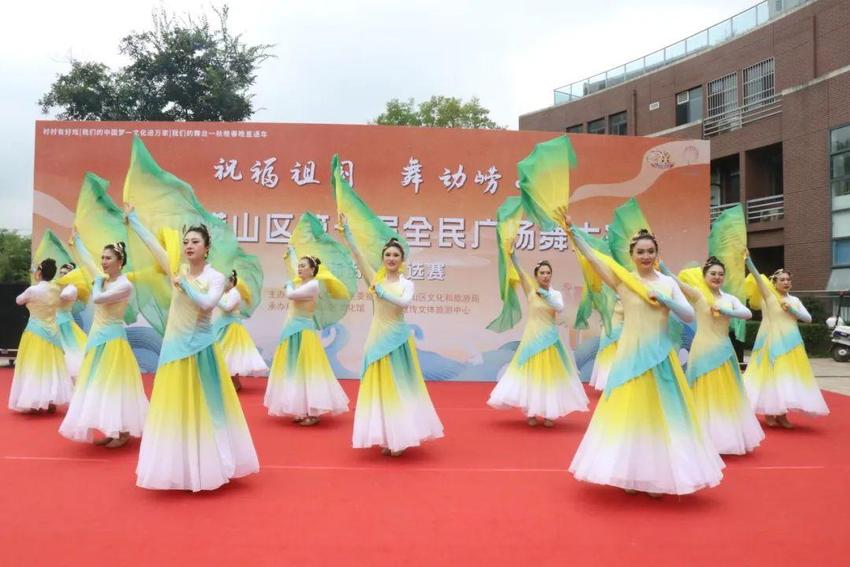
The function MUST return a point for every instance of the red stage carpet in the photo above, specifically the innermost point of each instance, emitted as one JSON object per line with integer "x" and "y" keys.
{"x": 493, "y": 492}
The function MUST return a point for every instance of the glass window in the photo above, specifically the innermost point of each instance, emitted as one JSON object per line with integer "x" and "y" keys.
{"x": 841, "y": 252}
{"x": 723, "y": 95}
{"x": 618, "y": 124}
{"x": 841, "y": 224}
{"x": 839, "y": 175}
{"x": 689, "y": 106}
{"x": 596, "y": 126}
{"x": 577, "y": 129}
{"x": 841, "y": 194}
{"x": 758, "y": 84}
{"x": 840, "y": 139}
{"x": 840, "y": 165}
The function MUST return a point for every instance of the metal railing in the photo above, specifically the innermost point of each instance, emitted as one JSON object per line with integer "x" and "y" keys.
{"x": 757, "y": 210}
{"x": 765, "y": 209}
{"x": 737, "y": 117}
{"x": 708, "y": 38}
{"x": 717, "y": 210}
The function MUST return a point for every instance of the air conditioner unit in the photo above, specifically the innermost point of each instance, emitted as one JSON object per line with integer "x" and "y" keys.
{"x": 683, "y": 98}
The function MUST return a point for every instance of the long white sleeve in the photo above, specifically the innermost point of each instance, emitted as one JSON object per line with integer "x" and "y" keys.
{"x": 677, "y": 302}
{"x": 798, "y": 310}
{"x": 406, "y": 294}
{"x": 25, "y": 296}
{"x": 119, "y": 290}
{"x": 553, "y": 297}
{"x": 230, "y": 300}
{"x": 309, "y": 290}
{"x": 738, "y": 310}
{"x": 68, "y": 293}
{"x": 206, "y": 301}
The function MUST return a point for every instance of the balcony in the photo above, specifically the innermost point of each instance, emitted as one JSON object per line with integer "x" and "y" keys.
{"x": 739, "y": 116}
{"x": 762, "y": 209}
{"x": 710, "y": 37}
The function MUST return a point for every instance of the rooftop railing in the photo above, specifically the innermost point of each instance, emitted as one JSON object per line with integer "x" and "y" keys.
{"x": 708, "y": 38}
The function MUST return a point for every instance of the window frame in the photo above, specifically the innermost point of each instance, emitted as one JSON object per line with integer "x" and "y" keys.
{"x": 832, "y": 209}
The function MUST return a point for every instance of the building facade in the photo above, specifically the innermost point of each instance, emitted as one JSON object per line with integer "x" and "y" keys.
{"x": 770, "y": 88}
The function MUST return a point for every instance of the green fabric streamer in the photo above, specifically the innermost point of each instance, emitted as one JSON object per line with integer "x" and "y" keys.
{"x": 310, "y": 239}
{"x": 369, "y": 231}
{"x": 728, "y": 242}
{"x": 99, "y": 222}
{"x": 544, "y": 181}
{"x": 164, "y": 202}
{"x": 508, "y": 218}
{"x": 628, "y": 220}
{"x": 595, "y": 295}
{"x": 51, "y": 247}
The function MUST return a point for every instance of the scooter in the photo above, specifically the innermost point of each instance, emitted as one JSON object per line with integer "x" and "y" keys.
{"x": 839, "y": 333}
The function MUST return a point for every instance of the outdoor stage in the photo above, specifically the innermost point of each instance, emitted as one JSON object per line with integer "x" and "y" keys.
{"x": 492, "y": 492}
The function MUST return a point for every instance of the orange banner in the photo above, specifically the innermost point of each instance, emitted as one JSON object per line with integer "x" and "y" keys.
{"x": 438, "y": 187}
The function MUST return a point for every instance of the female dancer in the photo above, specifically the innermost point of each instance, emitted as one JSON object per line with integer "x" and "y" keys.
{"x": 196, "y": 437}
{"x": 393, "y": 409}
{"x": 607, "y": 349}
{"x": 301, "y": 381}
{"x": 541, "y": 379}
{"x": 779, "y": 376}
{"x": 239, "y": 351}
{"x": 109, "y": 396}
{"x": 73, "y": 337}
{"x": 41, "y": 380}
{"x": 644, "y": 435}
{"x": 720, "y": 399}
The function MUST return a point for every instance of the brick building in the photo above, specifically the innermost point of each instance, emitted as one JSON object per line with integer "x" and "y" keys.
{"x": 770, "y": 88}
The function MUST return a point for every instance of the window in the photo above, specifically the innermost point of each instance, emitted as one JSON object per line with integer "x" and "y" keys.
{"x": 723, "y": 95}
{"x": 596, "y": 126}
{"x": 618, "y": 124}
{"x": 725, "y": 181}
{"x": 577, "y": 129}
{"x": 839, "y": 182}
{"x": 689, "y": 106}
{"x": 758, "y": 85}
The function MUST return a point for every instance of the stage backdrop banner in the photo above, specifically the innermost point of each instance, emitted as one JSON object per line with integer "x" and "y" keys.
{"x": 439, "y": 187}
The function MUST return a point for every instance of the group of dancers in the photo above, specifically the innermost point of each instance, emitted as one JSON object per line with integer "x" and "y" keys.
{"x": 656, "y": 428}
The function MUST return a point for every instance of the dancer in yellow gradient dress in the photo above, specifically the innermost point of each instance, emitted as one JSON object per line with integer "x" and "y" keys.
{"x": 109, "y": 395}
{"x": 779, "y": 376}
{"x": 41, "y": 380}
{"x": 196, "y": 437}
{"x": 394, "y": 410}
{"x": 720, "y": 398}
{"x": 542, "y": 379}
{"x": 645, "y": 435}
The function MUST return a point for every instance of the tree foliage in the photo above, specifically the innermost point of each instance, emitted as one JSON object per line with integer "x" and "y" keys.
{"x": 15, "y": 257}
{"x": 437, "y": 112}
{"x": 182, "y": 69}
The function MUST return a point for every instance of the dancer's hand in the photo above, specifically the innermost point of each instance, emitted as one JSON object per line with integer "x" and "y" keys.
{"x": 128, "y": 208}
{"x": 343, "y": 222}
{"x": 73, "y": 236}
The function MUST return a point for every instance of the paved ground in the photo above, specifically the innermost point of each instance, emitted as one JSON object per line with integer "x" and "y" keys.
{"x": 832, "y": 376}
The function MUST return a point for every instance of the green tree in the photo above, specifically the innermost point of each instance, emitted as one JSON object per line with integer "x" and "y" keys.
{"x": 437, "y": 112}
{"x": 15, "y": 257}
{"x": 182, "y": 69}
